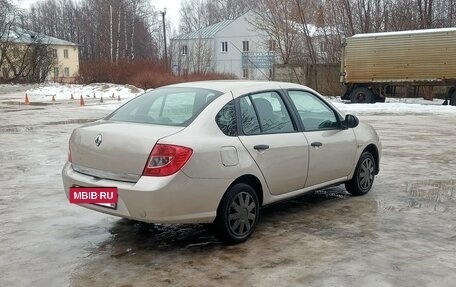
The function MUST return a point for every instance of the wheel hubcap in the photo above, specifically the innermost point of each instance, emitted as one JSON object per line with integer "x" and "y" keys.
{"x": 366, "y": 174}
{"x": 361, "y": 97}
{"x": 242, "y": 214}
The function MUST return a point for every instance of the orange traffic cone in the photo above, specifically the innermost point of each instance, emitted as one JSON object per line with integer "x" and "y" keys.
{"x": 118, "y": 97}
{"x": 72, "y": 97}
{"x": 101, "y": 99}
{"x": 81, "y": 102}
{"x": 53, "y": 98}
{"x": 27, "y": 102}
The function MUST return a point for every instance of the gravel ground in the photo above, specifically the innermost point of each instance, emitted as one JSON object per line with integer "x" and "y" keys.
{"x": 402, "y": 233}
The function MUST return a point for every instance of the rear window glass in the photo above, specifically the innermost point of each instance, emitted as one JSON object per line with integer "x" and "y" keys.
{"x": 166, "y": 106}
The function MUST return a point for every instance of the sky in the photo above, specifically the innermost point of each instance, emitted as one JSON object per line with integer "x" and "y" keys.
{"x": 172, "y": 8}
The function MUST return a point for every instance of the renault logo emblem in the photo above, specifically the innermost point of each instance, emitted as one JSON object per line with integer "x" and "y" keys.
{"x": 98, "y": 140}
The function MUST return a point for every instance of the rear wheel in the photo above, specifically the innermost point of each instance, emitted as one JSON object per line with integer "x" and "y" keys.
{"x": 363, "y": 179}
{"x": 237, "y": 215}
{"x": 362, "y": 95}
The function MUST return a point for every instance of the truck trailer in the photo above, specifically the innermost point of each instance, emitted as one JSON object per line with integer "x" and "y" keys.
{"x": 373, "y": 65}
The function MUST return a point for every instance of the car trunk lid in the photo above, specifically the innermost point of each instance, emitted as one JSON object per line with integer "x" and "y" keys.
{"x": 115, "y": 150}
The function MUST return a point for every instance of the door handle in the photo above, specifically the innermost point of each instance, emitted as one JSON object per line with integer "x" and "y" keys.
{"x": 261, "y": 147}
{"x": 316, "y": 144}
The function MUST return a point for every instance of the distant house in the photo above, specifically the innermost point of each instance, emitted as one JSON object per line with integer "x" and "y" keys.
{"x": 231, "y": 46}
{"x": 30, "y": 56}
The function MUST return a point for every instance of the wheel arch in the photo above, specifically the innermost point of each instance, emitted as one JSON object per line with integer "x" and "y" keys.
{"x": 251, "y": 180}
{"x": 372, "y": 148}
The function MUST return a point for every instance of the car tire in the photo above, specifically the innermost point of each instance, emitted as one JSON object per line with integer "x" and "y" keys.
{"x": 237, "y": 214}
{"x": 453, "y": 99}
{"x": 364, "y": 175}
{"x": 362, "y": 95}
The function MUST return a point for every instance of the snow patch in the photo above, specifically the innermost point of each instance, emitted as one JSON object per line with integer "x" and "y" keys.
{"x": 396, "y": 106}
{"x": 62, "y": 92}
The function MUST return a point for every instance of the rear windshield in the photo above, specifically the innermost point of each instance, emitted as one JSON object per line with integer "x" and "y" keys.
{"x": 166, "y": 106}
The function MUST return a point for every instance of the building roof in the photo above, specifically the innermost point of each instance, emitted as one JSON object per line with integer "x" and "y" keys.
{"x": 407, "y": 32}
{"x": 206, "y": 32}
{"x": 23, "y": 36}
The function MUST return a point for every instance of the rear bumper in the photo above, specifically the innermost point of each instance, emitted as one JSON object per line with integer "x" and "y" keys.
{"x": 172, "y": 199}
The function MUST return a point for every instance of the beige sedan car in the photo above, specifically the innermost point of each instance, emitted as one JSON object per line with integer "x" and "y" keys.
{"x": 216, "y": 151}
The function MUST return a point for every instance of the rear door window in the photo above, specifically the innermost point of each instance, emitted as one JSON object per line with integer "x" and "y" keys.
{"x": 265, "y": 113}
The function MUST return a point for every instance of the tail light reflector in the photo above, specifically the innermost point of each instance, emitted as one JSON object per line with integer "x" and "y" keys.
{"x": 166, "y": 159}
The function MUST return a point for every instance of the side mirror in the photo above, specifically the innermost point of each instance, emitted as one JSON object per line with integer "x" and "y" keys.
{"x": 350, "y": 122}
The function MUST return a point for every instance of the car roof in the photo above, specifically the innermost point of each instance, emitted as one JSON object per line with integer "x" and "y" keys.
{"x": 233, "y": 85}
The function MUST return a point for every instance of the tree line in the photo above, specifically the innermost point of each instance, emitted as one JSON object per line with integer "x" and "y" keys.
{"x": 104, "y": 29}
{"x": 290, "y": 22}
{"x": 118, "y": 31}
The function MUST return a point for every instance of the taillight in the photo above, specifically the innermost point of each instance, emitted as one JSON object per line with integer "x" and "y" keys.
{"x": 166, "y": 159}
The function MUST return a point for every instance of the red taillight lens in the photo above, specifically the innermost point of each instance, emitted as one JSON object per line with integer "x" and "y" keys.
{"x": 166, "y": 159}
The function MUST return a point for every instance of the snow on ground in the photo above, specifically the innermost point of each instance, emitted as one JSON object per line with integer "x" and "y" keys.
{"x": 92, "y": 92}
{"x": 396, "y": 106}
{"x": 61, "y": 92}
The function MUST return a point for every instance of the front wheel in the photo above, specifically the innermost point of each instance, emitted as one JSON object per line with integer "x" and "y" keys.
{"x": 237, "y": 215}
{"x": 363, "y": 179}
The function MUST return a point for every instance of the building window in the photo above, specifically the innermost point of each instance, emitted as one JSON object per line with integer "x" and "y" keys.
{"x": 184, "y": 50}
{"x": 65, "y": 53}
{"x": 272, "y": 45}
{"x": 54, "y": 53}
{"x": 56, "y": 72}
{"x": 245, "y": 46}
{"x": 66, "y": 72}
{"x": 245, "y": 73}
{"x": 224, "y": 47}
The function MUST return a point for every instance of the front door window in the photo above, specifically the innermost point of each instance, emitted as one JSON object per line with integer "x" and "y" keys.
{"x": 314, "y": 113}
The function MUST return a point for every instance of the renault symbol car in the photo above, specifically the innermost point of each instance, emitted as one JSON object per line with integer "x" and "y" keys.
{"x": 217, "y": 151}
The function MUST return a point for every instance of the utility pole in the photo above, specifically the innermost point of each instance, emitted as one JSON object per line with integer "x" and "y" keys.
{"x": 110, "y": 27}
{"x": 164, "y": 36}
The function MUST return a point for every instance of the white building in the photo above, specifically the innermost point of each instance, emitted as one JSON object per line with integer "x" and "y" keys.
{"x": 231, "y": 46}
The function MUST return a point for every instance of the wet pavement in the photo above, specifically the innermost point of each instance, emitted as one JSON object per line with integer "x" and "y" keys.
{"x": 403, "y": 233}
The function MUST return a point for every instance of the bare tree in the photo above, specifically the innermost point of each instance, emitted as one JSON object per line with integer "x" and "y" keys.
{"x": 27, "y": 58}
{"x": 88, "y": 23}
{"x": 197, "y": 14}
{"x": 275, "y": 19}
{"x": 8, "y": 20}
{"x": 219, "y": 10}
{"x": 425, "y": 13}
{"x": 193, "y": 55}
{"x": 193, "y": 16}
{"x": 23, "y": 56}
